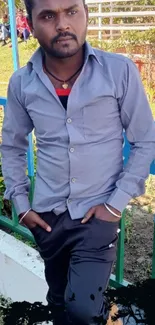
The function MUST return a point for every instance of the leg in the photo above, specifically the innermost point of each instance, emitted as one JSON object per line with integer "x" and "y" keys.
{"x": 56, "y": 259}
{"x": 4, "y": 34}
{"x": 18, "y": 33}
{"x": 26, "y": 34}
{"x": 56, "y": 277}
{"x": 90, "y": 268}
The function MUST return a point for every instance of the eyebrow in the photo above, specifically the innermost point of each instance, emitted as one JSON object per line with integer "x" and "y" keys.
{"x": 49, "y": 11}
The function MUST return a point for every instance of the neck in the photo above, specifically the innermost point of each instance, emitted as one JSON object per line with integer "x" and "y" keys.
{"x": 63, "y": 67}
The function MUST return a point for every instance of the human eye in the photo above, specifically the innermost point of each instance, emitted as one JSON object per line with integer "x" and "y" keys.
{"x": 72, "y": 12}
{"x": 49, "y": 16}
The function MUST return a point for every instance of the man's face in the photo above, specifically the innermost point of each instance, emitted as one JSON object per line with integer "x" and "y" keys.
{"x": 60, "y": 26}
{"x": 5, "y": 19}
{"x": 20, "y": 13}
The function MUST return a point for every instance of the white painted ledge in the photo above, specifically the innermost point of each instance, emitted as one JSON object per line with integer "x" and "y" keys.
{"x": 21, "y": 271}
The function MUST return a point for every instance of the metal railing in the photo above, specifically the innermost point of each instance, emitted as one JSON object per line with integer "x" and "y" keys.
{"x": 110, "y": 9}
{"x": 117, "y": 279}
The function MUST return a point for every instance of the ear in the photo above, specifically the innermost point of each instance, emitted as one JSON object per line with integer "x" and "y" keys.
{"x": 33, "y": 33}
{"x": 29, "y": 21}
{"x": 87, "y": 13}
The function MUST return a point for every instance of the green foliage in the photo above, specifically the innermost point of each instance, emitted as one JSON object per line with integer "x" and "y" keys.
{"x": 128, "y": 224}
{"x": 150, "y": 93}
{"x": 33, "y": 45}
{"x": 153, "y": 109}
{"x": 140, "y": 37}
{"x": 35, "y": 159}
{"x": 150, "y": 187}
{"x": 129, "y": 6}
{"x": 19, "y": 4}
{"x": 2, "y": 189}
{"x": 4, "y": 4}
{"x": 150, "y": 209}
{"x": 21, "y": 238}
{"x": 127, "y": 40}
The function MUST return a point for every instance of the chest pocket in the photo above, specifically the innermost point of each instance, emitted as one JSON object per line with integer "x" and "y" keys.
{"x": 100, "y": 117}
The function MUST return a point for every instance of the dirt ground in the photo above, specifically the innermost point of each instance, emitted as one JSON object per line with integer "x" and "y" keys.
{"x": 138, "y": 244}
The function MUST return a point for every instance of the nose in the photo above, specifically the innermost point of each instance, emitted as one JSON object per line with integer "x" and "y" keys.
{"x": 62, "y": 24}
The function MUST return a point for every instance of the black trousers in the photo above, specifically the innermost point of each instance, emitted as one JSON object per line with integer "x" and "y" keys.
{"x": 78, "y": 261}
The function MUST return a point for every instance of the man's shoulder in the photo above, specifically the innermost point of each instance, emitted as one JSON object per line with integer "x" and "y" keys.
{"x": 25, "y": 74}
{"x": 21, "y": 75}
{"x": 112, "y": 58}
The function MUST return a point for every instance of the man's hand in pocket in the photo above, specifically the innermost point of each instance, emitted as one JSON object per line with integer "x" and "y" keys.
{"x": 32, "y": 219}
{"x": 102, "y": 213}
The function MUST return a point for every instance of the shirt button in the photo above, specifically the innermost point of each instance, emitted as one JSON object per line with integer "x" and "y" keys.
{"x": 69, "y": 120}
{"x": 73, "y": 180}
{"x": 72, "y": 150}
{"x": 69, "y": 200}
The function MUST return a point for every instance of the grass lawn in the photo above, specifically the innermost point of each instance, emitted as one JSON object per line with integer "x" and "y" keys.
{"x": 6, "y": 68}
{"x": 153, "y": 109}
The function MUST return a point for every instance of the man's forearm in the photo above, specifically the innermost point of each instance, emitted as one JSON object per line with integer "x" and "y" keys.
{"x": 16, "y": 126}
{"x": 16, "y": 181}
{"x": 131, "y": 182}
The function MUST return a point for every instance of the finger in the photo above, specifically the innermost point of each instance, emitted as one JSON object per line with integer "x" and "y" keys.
{"x": 89, "y": 215}
{"x": 43, "y": 224}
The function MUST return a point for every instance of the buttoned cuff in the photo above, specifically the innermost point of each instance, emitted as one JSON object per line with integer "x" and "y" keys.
{"x": 21, "y": 204}
{"x": 119, "y": 200}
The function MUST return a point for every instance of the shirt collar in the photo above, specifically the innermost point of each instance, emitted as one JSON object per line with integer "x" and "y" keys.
{"x": 90, "y": 52}
{"x": 36, "y": 59}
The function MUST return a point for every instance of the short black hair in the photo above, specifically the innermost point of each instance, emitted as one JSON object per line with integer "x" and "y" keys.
{"x": 29, "y": 4}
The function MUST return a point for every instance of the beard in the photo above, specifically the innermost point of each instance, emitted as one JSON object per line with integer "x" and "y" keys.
{"x": 66, "y": 49}
{"x": 61, "y": 53}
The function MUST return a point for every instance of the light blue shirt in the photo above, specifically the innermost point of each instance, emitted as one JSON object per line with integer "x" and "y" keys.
{"x": 79, "y": 157}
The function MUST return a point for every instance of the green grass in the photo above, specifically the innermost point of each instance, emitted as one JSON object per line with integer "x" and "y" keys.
{"x": 21, "y": 238}
{"x": 153, "y": 109}
{"x": 128, "y": 224}
{"x": 6, "y": 69}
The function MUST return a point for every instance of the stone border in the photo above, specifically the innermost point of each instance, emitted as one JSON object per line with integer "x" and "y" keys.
{"x": 22, "y": 271}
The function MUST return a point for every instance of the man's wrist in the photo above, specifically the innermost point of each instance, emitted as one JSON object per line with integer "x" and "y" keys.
{"x": 112, "y": 210}
{"x": 23, "y": 215}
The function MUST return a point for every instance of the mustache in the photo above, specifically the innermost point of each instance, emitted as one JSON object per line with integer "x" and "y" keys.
{"x": 61, "y": 35}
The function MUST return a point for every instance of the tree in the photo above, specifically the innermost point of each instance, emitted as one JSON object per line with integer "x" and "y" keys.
{"x": 4, "y": 5}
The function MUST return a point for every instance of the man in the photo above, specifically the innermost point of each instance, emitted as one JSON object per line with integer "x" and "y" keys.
{"x": 5, "y": 29}
{"x": 23, "y": 30}
{"x": 78, "y": 100}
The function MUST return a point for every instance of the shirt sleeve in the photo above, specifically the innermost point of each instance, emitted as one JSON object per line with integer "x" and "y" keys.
{"x": 16, "y": 127}
{"x": 139, "y": 126}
